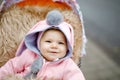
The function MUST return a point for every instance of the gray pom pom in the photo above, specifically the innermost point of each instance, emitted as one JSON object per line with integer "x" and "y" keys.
{"x": 35, "y": 67}
{"x": 54, "y": 18}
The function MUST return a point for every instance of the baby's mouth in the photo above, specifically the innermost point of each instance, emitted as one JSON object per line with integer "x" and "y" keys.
{"x": 54, "y": 52}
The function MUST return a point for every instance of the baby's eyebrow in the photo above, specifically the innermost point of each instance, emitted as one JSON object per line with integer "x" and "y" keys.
{"x": 62, "y": 41}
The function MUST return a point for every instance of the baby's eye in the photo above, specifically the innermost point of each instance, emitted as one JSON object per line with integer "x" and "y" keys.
{"x": 48, "y": 41}
{"x": 61, "y": 42}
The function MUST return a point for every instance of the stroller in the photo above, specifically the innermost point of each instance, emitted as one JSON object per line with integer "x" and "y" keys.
{"x": 18, "y": 16}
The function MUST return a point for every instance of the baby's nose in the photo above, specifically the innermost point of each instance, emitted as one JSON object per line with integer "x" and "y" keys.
{"x": 54, "y": 45}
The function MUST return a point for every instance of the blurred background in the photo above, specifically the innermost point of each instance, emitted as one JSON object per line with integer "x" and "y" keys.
{"x": 102, "y": 26}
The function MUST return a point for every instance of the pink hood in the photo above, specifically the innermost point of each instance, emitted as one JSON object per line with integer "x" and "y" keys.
{"x": 53, "y": 19}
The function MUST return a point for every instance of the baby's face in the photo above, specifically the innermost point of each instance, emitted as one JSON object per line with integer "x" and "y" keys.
{"x": 53, "y": 45}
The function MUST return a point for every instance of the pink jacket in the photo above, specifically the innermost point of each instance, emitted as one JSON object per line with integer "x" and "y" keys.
{"x": 60, "y": 70}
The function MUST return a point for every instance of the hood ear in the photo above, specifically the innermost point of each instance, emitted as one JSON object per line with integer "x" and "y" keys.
{"x": 54, "y": 18}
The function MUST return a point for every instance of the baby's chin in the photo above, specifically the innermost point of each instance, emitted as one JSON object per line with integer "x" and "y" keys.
{"x": 52, "y": 59}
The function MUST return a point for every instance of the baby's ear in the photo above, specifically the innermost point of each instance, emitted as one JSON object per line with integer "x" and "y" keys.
{"x": 54, "y": 17}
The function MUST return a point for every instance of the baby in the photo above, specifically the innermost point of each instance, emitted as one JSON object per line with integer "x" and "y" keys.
{"x": 45, "y": 52}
